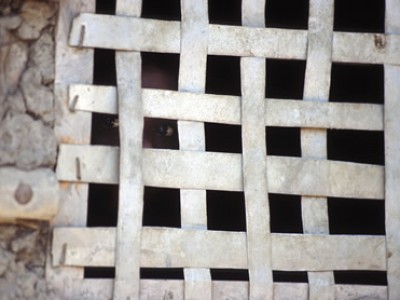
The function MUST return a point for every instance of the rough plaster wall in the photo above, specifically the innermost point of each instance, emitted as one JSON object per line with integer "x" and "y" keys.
{"x": 27, "y": 139}
{"x": 26, "y": 84}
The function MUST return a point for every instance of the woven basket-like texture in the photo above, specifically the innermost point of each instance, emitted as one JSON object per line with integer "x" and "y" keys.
{"x": 129, "y": 246}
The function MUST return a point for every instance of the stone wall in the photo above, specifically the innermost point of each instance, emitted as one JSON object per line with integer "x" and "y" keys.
{"x": 27, "y": 141}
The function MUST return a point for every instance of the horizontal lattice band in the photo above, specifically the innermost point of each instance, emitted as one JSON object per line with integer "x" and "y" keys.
{"x": 172, "y": 248}
{"x": 226, "y": 109}
{"x": 90, "y": 30}
{"x": 222, "y": 171}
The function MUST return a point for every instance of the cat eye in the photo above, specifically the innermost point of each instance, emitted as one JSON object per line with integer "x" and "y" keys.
{"x": 164, "y": 130}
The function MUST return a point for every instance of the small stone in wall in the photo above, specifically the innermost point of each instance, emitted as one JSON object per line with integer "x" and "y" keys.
{"x": 16, "y": 56}
{"x": 26, "y": 143}
{"x": 35, "y": 16}
{"x": 39, "y": 98}
{"x": 41, "y": 56}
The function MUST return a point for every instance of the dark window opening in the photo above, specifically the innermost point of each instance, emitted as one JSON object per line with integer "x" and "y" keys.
{"x": 99, "y": 272}
{"x": 162, "y": 9}
{"x": 358, "y": 83}
{"x": 161, "y": 207}
{"x": 287, "y": 14}
{"x": 356, "y": 216}
{"x": 223, "y": 138}
{"x": 105, "y": 130}
{"x": 360, "y": 277}
{"x": 285, "y": 79}
{"x": 161, "y": 273}
{"x": 223, "y": 75}
{"x": 102, "y": 205}
{"x": 290, "y": 276}
{"x": 160, "y": 134}
{"x": 285, "y": 213}
{"x": 229, "y": 274}
{"x": 160, "y": 70}
{"x": 105, "y": 7}
{"x": 104, "y": 70}
{"x": 356, "y": 146}
{"x": 283, "y": 141}
{"x": 226, "y": 211}
{"x": 226, "y": 12}
{"x": 359, "y": 15}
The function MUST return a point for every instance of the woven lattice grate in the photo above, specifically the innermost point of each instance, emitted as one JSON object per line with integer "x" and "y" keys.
{"x": 129, "y": 246}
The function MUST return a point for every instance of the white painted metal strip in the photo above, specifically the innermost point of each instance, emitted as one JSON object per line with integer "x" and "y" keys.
{"x": 192, "y": 77}
{"x": 330, "y": 115}
{"x": 160, "y": 248}
{"x": 324, "y": 178}
{"x": 366, "y": 48}
{"x": 254, "y": 164}
{"x": 261, "y": 42}
{"x": 350, "y": 292}
{"x": 392, "y": 176}
{"x": 101, "y": 289}
{"x": 226, "y": 109}
{"x": 314, "y": 141}
{"x": 298, "y": 252}
{"x": 103, "y": 31}
{"x": 222, "y": 171}
{"x": 90, "y": 30}
{"x": 169, "y": 248}
{"x": 131, "y": 189}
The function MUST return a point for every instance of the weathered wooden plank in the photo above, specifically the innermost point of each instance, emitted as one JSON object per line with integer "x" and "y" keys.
{"x": 28, "y": 194}
{"x": 366, "y": 48}
{"x": 350, "y": 292}
{"x": 321, "y": 285}
{"x": 97, "y": 164}
{"x": 131, "y": 189}
{"x": 289, "y": 291}
{"x": 392, "y": 156}
{"x": 328, "y": 252}
{"x": 193, "y": 248}
{"x": 261, "y": 42}
{"x": 233, "y": 290}
{"x": 330, "y": 115}
{"x": 88, "y": 289}
{"x": 192, "y": 169}
{"x": 177, "y": 248}
{"x": 314, "y": 141}
{"x": 197, "y": 283}
{"x": 325, "y": 178}
{"x": 102, "y": 31}
{"x": 83, "y": 246}
{"x": 226, "y": 109}
{"x": 392, "y": 175}
{"x": 90, "y": 30}
{"x": 162, "y": 289}
{"x": 93, "y": 98}
{"x": 192, "y": 77}
{"x": 160, "y": 247}
{"x": 254, "y": 163}
{"x": 222, "y": 171}
{"x": 102, "y": 289}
